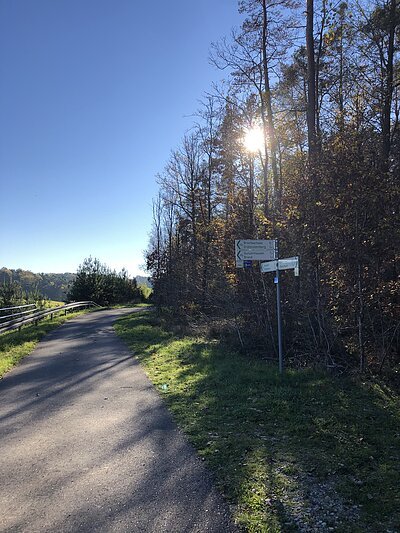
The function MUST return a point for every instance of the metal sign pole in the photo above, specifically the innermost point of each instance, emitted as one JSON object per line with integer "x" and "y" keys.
{"x": 275, "y": 266}
{"x": 249, "y": 250}
{"x": 278, "y": 311}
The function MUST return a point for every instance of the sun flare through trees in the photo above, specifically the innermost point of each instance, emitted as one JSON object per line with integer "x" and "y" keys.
{"x": 321, "y": 174}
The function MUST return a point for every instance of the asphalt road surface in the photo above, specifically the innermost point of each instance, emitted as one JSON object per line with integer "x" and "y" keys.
{"x": 86, "y": 443}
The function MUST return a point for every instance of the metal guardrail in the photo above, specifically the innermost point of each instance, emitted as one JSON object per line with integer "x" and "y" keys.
{"x": 17, "y": 323}
{"x": 13, "y": 314}
{"x": 17, "y": 307}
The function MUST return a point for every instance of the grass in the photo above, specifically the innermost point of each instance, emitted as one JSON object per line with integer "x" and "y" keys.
{"x": 14, "y": 345}
{"x": 304, "y": 451}
{"x": 52, "y": 303}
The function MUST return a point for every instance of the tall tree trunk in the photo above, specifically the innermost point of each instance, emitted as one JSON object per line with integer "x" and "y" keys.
{"x": 360, "y": 296}
{"x": 265, "y": 162}
{"x": 268, "y": 106}
{"x": 311, "y": 90}
{"x": 251, "y": 197}
{"x": 317, "y": 71}
{"x": 207, "y": 243}
{"x": 388, "y": 95}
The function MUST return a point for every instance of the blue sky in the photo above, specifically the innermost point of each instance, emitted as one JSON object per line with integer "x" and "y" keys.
{"x": 94, "y": 94}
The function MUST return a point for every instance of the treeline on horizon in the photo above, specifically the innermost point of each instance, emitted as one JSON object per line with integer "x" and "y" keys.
{"x": 23, "y": 286}
{"x": 321, "y": 81}
{"x": 18, "y": 286}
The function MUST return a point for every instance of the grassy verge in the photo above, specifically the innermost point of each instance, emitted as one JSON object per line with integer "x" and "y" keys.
{"x": 304, "y": 452}
{"x": 14, "y": 345}
{"x": 52, "y": 303}
{"x": 139, "y": 304}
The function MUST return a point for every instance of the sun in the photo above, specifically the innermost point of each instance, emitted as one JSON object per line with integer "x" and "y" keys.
{"x": 254, "y": 139}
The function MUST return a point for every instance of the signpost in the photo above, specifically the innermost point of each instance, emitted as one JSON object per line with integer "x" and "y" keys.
{"x": 276, "y": 266}
{"x": 254, "y": 250}
{"x": 271, "y": 266}
{"x": 281, "y": 264}
{"x": 249, "y": 250}
{"x": 279, "y": 315}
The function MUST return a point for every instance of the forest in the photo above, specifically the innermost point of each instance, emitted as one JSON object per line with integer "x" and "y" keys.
{"x": 18, "y": 285}
{"x": 299, "y": 143}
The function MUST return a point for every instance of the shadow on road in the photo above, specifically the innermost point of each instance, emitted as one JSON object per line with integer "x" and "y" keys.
{"x": 87, "y": 444}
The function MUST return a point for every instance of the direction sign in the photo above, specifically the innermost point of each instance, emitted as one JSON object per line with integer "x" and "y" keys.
{"x": 287, "y": 264}
{"x": 282, "y": 264}
{"x": 271, "y": 266}
{"x": 254, "y": 250}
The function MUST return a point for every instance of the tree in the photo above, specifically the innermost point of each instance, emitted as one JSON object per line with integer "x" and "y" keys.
{"x": 326, "y": 185}
{"x": 96, "y": 282}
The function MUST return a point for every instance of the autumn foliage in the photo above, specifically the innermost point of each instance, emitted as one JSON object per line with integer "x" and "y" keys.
{"x": 325, "y": 183}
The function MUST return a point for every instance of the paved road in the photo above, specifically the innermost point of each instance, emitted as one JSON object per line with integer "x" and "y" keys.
{"x": 86, "y": 443}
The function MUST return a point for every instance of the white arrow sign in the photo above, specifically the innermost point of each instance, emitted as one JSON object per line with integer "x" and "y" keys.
{"x": 254, "y": 250}
{"x": 288, "y": 263}
{"x": 271, "y": 266}
{"x": 282, "y": 264}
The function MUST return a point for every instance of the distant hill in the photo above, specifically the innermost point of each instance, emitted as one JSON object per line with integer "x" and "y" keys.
{"x": 53, "y": 286}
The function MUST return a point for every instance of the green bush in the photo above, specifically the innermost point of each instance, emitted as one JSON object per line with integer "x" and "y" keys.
{"x": 97, "y": 282}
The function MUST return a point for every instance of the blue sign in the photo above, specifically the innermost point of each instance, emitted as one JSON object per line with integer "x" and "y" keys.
{"x": 247, "y": 264}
